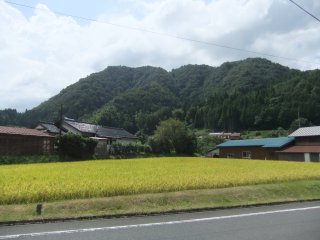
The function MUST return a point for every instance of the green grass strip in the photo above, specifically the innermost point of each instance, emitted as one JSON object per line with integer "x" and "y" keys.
{"x": 166, "y": 202}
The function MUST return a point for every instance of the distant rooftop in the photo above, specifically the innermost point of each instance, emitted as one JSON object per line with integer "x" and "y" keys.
{"x": 115, "y": 133}
{"x": 306, "y": 131}
{"x": 22, "y": 131}
{"x": 263, "y": 142}
{"x": 49, "y": 127}
{"x": 100, "y": 131}
{"x": 226, "y": 135}
{"x": 83, "y": 127}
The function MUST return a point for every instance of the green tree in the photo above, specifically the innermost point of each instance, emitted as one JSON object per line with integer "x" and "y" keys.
{"x": 300, "y": 122}
{"x": 252, "y": 93}
{"x": 207, "y": 143}
{"x": 173, "y": 136}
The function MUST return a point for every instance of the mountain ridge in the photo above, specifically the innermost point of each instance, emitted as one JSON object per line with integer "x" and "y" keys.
{"x": 248, "y": 94}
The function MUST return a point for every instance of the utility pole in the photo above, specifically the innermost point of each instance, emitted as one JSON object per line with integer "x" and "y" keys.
{"x": 60, "y": 120}
{"x": 60, "y": 126}
{"x": 299, "y": 120}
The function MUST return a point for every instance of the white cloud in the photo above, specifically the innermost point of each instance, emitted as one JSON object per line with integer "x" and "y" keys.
{"x": 46, "y": 52}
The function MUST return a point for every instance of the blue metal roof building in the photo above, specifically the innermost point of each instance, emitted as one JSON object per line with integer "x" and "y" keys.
{"x": 264, "y": 148}
{"x": 263, "y": 142}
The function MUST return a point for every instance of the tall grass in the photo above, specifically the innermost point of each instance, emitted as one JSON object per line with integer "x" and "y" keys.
{"x": 29, "y": 183}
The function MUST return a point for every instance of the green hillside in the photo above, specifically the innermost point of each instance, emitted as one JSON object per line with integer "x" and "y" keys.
{"x": 249, "y": 94}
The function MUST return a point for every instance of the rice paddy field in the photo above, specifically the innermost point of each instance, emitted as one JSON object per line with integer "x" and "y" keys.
{"x": 30, "y": 183}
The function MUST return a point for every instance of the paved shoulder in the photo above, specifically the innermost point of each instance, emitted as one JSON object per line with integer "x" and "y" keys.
{"x": 288, "y": 221}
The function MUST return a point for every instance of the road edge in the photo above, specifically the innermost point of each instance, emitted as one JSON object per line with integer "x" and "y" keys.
{"x": 140, "y": 214}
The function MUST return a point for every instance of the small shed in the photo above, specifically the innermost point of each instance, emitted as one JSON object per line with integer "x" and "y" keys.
{"x": 24, "y": 141}
{"x": 213, "y": 153}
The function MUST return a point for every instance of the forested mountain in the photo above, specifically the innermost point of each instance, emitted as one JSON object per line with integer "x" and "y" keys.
{"x": 250, "y": 94}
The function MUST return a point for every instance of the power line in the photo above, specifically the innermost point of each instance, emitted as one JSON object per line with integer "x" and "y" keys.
{"x": 165, "y": 34}
{"x": 299, "y": 6}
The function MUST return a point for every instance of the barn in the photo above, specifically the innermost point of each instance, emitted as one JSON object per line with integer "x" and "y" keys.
{"x": 24, "y": 141}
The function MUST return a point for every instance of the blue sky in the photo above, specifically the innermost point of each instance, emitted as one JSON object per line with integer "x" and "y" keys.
{"x": 43, "y": 52}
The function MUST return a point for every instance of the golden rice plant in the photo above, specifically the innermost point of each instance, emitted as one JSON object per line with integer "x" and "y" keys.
{"x": 29, "y": 183}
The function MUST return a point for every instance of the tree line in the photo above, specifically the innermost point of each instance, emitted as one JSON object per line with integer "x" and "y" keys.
{"x": 249, "y": 94}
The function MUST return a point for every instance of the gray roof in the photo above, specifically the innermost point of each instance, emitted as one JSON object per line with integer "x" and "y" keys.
{"x": 100, "y": 131}
{"x": 50, "y": 127}
{"x": 306, "y": 131}
{"x": 114, "y": 133}
{"x": 83, "y": 127}
{"x": 263, "y": 142}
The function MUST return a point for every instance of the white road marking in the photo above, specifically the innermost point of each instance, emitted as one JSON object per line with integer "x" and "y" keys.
{"x": 155, "y": 224}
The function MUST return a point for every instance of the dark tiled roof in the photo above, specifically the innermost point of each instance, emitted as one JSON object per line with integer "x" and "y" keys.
{"x": 114, "y": 133}
{"x": 50, "y": 127}
{"x": 100, "y": 131}
{"x": 83, "y": 127}
{"x": 263, "y": 142}
{"x": 22, "y": 131}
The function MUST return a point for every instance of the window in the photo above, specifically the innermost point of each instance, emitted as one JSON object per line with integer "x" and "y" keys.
{"x": 246, "y": 154}
{"x": 230, "y": 155}
{"x": 46, "y": 146}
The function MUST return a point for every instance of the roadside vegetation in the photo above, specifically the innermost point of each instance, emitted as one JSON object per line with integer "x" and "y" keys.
{"x": 166, "y": 202}
{"x": 91, "y": 179}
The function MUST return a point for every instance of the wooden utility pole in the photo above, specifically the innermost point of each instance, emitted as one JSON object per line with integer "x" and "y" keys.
{"x": 60, "y": 120}
{"x": 299, "y": 120}
{"x": 60, "y": 126}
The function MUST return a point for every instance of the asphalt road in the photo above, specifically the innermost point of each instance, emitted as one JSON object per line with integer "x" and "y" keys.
{"x": 299, "y": 221}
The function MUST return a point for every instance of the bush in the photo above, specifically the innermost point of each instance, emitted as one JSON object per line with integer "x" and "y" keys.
{"x": 75, "y": 146}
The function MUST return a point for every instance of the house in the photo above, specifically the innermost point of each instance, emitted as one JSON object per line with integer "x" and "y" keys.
{"x": 86, "y": 130}
{"x": 223, "y": 135}
{"x": 92, "y": 130}
{"x": 265, "y": 148}
{"x": 24, "y": 141}
{"x": 104, "y": 135}
{"x": 306, "y": 147}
